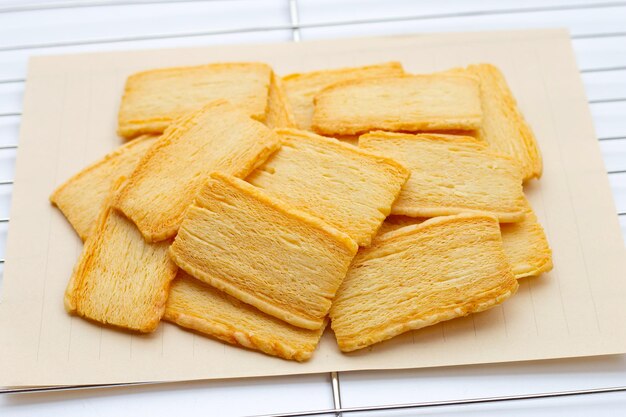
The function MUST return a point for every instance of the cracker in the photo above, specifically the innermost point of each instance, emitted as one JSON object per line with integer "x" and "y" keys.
{"x": 217, "y": 137}
{"x": 154, "y": 99}
{"x": 81, "y": 197}
{"x": 504, "y": 127}
{"x": 346, "y": 187}
{"x": 451, "y": 175}
{"x": 302, "y": 88}
{"x": 526, "y": 246}
{"x": 261, "y": 251}
{"x": 525, "y": 243}
{"x": 120, "y": 280}
{"x": 420, "y": 275}
{"x": 401, "y": 103}
{"x": 195, "y": 305}
{"x": 279, "y": 114}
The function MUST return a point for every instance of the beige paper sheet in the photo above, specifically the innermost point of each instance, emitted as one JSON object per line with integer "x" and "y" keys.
{"x": 70, "y": 118}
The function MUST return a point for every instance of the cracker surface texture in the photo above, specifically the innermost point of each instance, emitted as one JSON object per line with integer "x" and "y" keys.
{"x": 279, "y": 113}
{"x": 348, "y": 188}
{"x": 153, "y": 99}
{"x": 402, "y": 103}
{"x": 263, "y": 252}
{"x": 504, "y": 127}
{"x": 81, "y": 197}
{"x": 525, "y": 243}
{"x": 120, "y": 280}
{"x": 526, "y": 246}
{"x": 450, "y": 175}
{"x": 420, "y": 275}
{"x": 302, "y": 88}
{"x": 218, "y": 137}
{"x": 195, "y": 305}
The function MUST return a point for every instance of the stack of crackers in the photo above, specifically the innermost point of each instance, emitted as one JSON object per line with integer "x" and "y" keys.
{"x": 256, "y": 209}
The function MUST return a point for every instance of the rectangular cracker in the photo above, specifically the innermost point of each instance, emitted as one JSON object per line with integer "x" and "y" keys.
{"x": 401, "y": 103}
{"x": 195, "y": 305}
{"x": 504, "y": 127}
{"x": 346, "y": 187}
{"x": 302, "y": 88}
{"x": 217, "y": 137}
{"x": 524, "y": 243}
{"x": 261, "y": 251}
{"x": 451, "y": 175}
{"x": 420, "y": 275}
{"x": 279, "y": 112}
{"x": 526, "y": 246}
{"x": 120, "y": 280}
{"x": 81, "y": 197}
{"x": 154, "y": 99}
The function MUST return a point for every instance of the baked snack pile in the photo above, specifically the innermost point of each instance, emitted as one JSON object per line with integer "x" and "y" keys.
{"x": 260, "y": 250}
{"x": 237, "y": 219}
{"x": 218, "y": 137}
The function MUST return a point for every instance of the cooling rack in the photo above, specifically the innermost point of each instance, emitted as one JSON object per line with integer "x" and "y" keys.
{"x": 598, "y": 31}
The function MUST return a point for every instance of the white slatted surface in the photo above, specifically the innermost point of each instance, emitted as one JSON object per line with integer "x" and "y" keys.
{"x": 62, "y": 26}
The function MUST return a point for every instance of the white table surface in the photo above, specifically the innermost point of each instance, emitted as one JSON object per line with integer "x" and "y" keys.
{"x": 598, "y": 31}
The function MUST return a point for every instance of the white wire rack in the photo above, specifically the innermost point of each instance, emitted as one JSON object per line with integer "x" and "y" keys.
{"x": 604, "y": 73}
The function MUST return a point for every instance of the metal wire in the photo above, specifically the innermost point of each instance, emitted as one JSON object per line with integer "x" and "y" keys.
{"x": 603, "y": 69}
{"x": 334, "y": 382}
{"x": 607, "y": 100}
{"x": 105, "y": 3}
{"x": 121, "y": 39}
{"x": 598, "y": 35}
{"x": 612, "y": 138}
{"x": 476, "y": 13}
{"x": 295, "y": 25}
{"x": 392, "y": 19}
{"x": 87, "y": 4}
{"x": 62, "y": 388}
{"x": 12, "y": 80}
{"x": 433, "y": 404}
{"x": 295, "y": 20}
